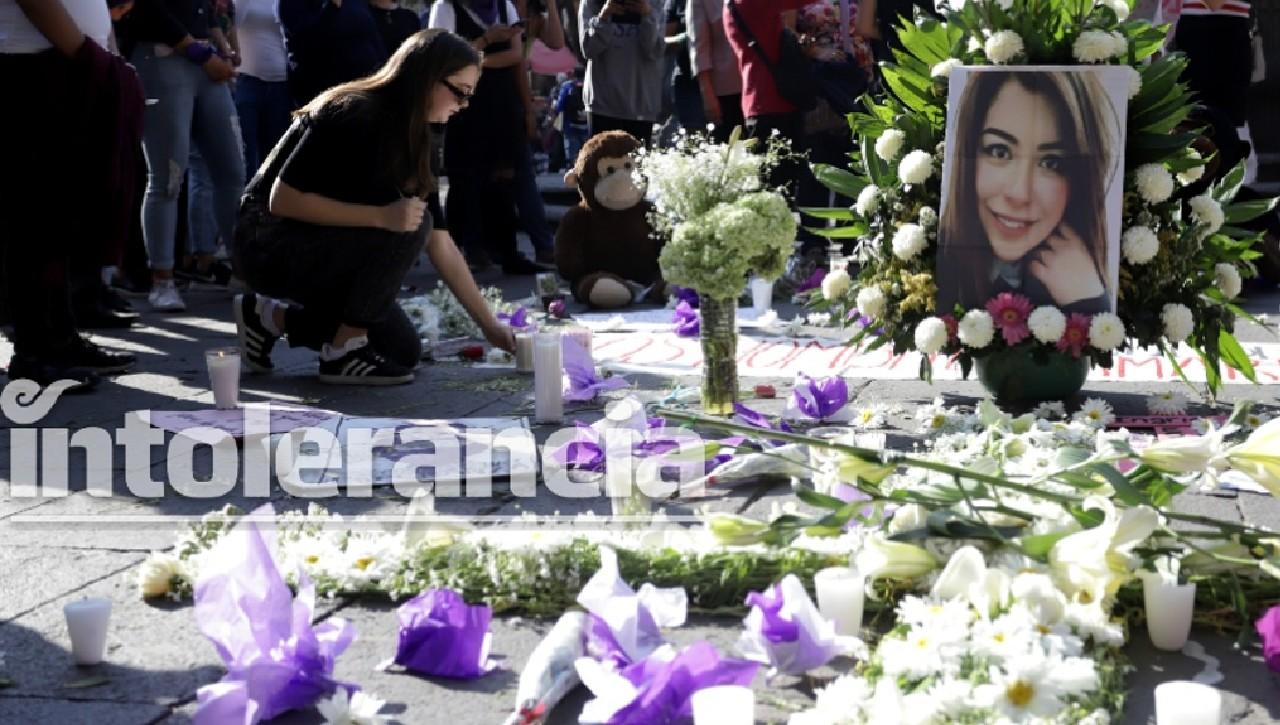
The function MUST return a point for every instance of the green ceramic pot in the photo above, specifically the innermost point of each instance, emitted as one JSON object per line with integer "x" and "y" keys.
{"x": 1016, "y": 378}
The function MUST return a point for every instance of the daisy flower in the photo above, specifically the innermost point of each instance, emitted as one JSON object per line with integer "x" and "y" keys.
{"x": 1095, "y": 412}
{"x": 1010, "y": 313}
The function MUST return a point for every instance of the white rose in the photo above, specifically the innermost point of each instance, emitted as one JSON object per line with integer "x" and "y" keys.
{"x": 943, "y": 69}
{"x": 909, "y": 241}
{"x": 977, "y": 329}
{"x": 867, "y": 199}
{"x": 157, "y": 573}
{"x": 1193, "y": 174}
{"x": 1093, "y": 46}
{"x": 1135, "y": 80}
{"x": 870, "y": 302}
{"x": 915, "y": 167}
{"x": 1154, "y": 183}
{"x": 1003, "y": 47}
{"x": 1119, "y": 7}
{"x": 1106, "y": 331}
{"x": 1047, "y": 324}
{"x": 889, "y": 145}
{"x": 1139, "y": 244}
{"x": 1228, "y": 279}
{"x": 1178, "y": 322}
{"x": 931, "y": 335}
{"x": 1205, "y": 210}
{"x": 835, "y": 284}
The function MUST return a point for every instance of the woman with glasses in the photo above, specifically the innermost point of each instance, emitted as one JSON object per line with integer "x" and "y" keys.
{"x": 339, "y": 212}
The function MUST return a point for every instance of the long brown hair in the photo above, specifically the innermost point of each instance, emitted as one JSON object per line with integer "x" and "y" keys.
{"x": 1090, "y": 134}
{"x": 394, "y": 100}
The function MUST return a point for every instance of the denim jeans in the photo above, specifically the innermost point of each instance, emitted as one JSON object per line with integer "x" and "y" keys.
{"x": 185, "y": 108}
{"x": 574, "y": 138}
{"x": 202, "y": 226}
{"x": 533, "y": 215}
{"x": 264, "y": 108}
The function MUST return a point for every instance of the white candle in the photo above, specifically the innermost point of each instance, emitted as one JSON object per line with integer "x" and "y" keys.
{"x": 1169, "y": 609}
{"x": 224, "y": 376}
{"x": 87, "y": 626}
{"x": 524, "y": 352}
{"x": 840, "y": 598}
{"x": 548, "y": 378}
{"x": 761, "y": 295}
{"x": 1187, "y": 703}
{"x": 723, "y": 705}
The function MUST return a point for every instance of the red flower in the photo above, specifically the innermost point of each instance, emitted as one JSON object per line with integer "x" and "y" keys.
{"x": 766, "y": 391}
{"x": 1076, "y": 336}
{"x": 953, "y": 327}
{"x": 472, "y": 352}
{"x": 1010, "y": 313}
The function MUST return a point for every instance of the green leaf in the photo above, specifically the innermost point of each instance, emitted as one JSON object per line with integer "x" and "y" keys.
{"x": 851, "y": 231}
{"x": 1243, "y": 211}
{"x": 694, "y": 453}
{"x": 1225, "y": 190}
{"x": 1039, "y": 546}
{"x": 820, "y": 530}
{"x": 906, "y": 86}
{"x": 952, "y": 526}
{"x": 1235, "y": 356}
{"x": 833, "y": 213}
{"x": 821, "y": 500}
{"x": 841, "y": 181}
{"x": 1126, "y": 492}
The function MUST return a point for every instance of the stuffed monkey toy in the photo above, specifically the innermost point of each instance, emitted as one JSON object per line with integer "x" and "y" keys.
{"x": 604, "y": 246}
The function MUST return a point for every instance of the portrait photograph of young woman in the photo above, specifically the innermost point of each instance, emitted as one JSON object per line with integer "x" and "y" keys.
{"x": 1032, "y": 187}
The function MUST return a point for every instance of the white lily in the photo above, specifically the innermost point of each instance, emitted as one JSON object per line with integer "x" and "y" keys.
{"x": 1095, "y": 562}
{"x": 1259, "y": 456}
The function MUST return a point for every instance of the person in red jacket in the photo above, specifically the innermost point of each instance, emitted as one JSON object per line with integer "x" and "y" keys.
{"x": 762, "y": 105}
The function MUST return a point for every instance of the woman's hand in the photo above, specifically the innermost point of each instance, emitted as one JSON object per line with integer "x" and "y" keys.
{"x": 711, "y": 107}
{"x": 218, "y": 70}
{"x": 500, "y": 336}
{"x": 404, "y": 215}
{"x": 1066, "y": 269}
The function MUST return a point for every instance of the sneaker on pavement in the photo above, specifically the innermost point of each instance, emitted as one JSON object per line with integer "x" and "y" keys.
{"x": 164, "y": 297}
{"x": 83, "y": 354}
{"x": 363, "y": 366}
{"x": 45, "y": 373}
{"x": 256, "y": 340}
{"x": 217, "y": 272}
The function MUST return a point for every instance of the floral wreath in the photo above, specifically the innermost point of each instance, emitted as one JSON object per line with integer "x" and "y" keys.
{"x": 1182, "y": 257}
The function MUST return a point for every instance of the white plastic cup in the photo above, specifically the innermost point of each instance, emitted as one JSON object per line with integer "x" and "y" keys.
{"x": 1187, "y": 703}
{"x": 723, "y": 705}
{"x": 87, "y": 621}
{"x": 1169, "y": 610}
{"x": 761, "y": 295}
{"x": 224, "y": 376}
{"x": 840, "y": 598}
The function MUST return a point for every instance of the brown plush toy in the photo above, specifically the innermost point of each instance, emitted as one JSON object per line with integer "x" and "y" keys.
{"x": 604, "y": 248}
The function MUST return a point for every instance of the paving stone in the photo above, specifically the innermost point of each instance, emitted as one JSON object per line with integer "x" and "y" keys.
{"x": 1249, "y": 691}
{"x": 47, "y": 710}
{"x": 34, "y": 576}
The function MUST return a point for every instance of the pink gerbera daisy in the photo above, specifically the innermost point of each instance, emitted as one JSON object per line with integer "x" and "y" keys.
{"x": 1076, "y": 336}
{"x": 1010, "y": 312}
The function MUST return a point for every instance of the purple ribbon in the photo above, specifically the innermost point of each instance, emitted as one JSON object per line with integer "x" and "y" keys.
{"x": 518, "y": 320}
{"x": 584, "y": 384}
{"x": 442, "y": 636}
{"x": 687, "y": 320}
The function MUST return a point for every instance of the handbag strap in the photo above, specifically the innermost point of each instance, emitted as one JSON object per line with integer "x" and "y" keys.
{"x": 751, "y": 37}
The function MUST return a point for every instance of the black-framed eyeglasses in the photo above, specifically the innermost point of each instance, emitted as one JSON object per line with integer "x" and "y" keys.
{"x": 463, "y": 97}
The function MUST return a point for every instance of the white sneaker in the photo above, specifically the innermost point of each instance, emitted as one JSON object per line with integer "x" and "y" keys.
{"x": 164, "y": 297}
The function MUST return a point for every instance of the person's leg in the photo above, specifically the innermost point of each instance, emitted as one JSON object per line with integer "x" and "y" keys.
{"x": 397, "y": 338}
{"x": 688, "y": 105}
{"x": 215, "y": 131}
{"x": 730, "y": 117}
{"x": 250, "y": 97}
{"x": 598, "y": 123}
{"x": 166, "y": 141}
{"x": 574, "y": 138}
{"x": 202, "y": 226}
{"x": 533, "y": 215}
{"x": 642, "y": 130}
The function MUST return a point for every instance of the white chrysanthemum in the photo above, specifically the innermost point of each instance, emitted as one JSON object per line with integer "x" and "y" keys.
{"x": 835, "y": 284}
{"x": 1206, "y": 210}
{"x": 1193, "y": 174}
{"x": 159, "y": 575}
{"x": 871, "y": 302}
{"x": 927, "y": 216}
{"x": 1093, "y": 46}
{"x": 909, "y": 241}
{"x": 1095, "y": 412}
{"x": 889, "y": 145}
{"x": 915, "y": 167}
{"x": 1050, "y": 410}
{"x": 1106, "y": 331}
{"x": 1047, "y": 324}
{"x": 1119, "y": 7}
{"x": 977, "y": 329}
{"x": 1167, "y": 403}
{"x": 1135, "y": 80}
{"x": 1178, "y": 321}
{"x": 1120, "y": 43}
{"x": 1139, "y": 245}
{"x": 1003, "y": 47}
{"x": 1005, "y": 5}
{"x": 931, "y": 335}
{"x": 974, "y": 43}
{"x": 1228, "y": 279}
{"x": 1154, "y": 183}
{"x": 867, "y": 200}
{"x": 943, "y": 69}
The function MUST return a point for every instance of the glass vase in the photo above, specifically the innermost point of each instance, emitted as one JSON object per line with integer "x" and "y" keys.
{"x": 719, "y": 333}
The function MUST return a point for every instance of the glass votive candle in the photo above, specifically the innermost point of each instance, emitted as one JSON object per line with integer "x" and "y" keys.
{"x": 1182, "y": 702}
{"x": 87, "y": 621}
{"x": 1170, "y": 607}
{"x": 840, "y": 597}
{"x": 524, "y": 352}
{"x": 224, "y": 376}
{"x": 723, "y": 705}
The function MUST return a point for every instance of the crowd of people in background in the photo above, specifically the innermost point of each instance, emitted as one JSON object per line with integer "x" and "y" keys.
{"x": 135, "y": 126}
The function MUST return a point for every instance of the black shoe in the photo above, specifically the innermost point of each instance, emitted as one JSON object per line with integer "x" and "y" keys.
{"x": 364, "y": 366}
{"x": 86, "y": 355}
{"x": 113, "y": 300}
{"x": 522, "y": 265}
{"x": 218, "y": 272}
{"x": 101, "y": 317}
{"x": 46, "y": 373}
{"x": 256, "y": 340}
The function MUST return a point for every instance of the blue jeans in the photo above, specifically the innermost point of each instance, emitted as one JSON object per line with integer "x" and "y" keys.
{"x": 202, "y": 226}
{"x": 574, "y": 137}
{"x": 185, "y": 108}
{"x": 533, "y": 215}
{"x": 264, "y": 108}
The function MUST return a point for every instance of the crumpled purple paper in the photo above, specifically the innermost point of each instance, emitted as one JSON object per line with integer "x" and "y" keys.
{"x": 442, "y": 636}
{"x": 1269, "y": 630}
{"x": 276, "y": 659}
{"x": 581, "y": 369}
{"x": 586, "y": 452}
{"x": 624, "y": 625}
{"x": 785, "y": 630}
{"x": 755, "y": 419}
{"x": 821, "y": 399}
{"x": 516, "y": 320}
{"x": 687, "y": 320}
{"x": 657, "y": 689}
{"x": 688, "y": 295}
{"x": 813, "y": 281}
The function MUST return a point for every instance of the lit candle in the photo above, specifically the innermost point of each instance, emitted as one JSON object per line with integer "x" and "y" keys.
{"x": 224, "y": 376}
{"x": 1169, "y": 609}
{"x": 840, "y": 598}
{"x": 87, "y": 626}
{"x": 524, "y": 352}
{"x": 761, "y": 295}
{"x": 1187, "y": 703}
{"x": 723, "y": 705}
{"x": 548, "y": 378}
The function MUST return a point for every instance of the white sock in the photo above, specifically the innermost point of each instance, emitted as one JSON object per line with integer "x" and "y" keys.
{"x": 331, "y": 353}
{"x": 267, "y": 314}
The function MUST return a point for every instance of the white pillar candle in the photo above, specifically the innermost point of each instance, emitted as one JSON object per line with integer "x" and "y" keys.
{"x": 224, "y": 376}
{"x": 761, "y": 295}
{"x": 1169, "y": 609}
{"x": 1187, "y": 703}
{"x": 840, "y": 598}
{"x": 87, "y": 621}
{"x": 524, "y": 352}
{"x": 548, "y": 378}
{"x": 724, "y": 705}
